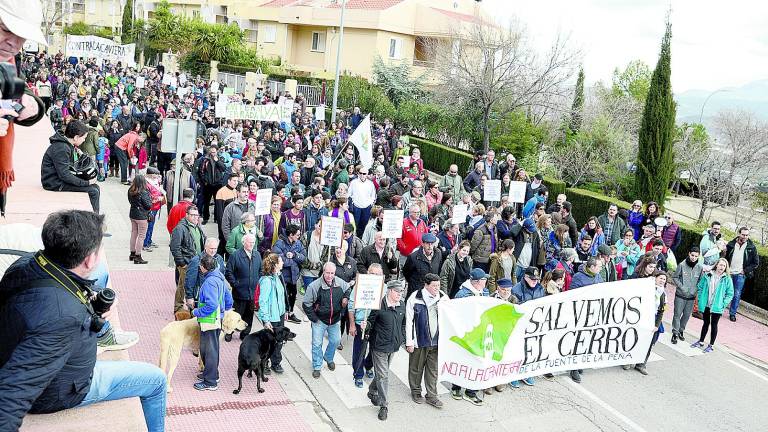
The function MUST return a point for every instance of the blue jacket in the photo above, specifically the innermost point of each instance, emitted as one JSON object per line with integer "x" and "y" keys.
{"x": 291, "y": 266}
{"x": 312, "y": 215}
{"x": 213, "y": 288}
{"x": 582, "y": 279}
{"x": 596, "y": 241}
{"x": 530, "y": 206}
{"x": 271, "y": 299}
{"x": 192, "y": 280}
{"x": 243, "y": 274}
{"x": 523, "y": 292}
{"x": 48, "y": 351}
{"x": 722, "y": 295}
{"x": 466, "y": 291}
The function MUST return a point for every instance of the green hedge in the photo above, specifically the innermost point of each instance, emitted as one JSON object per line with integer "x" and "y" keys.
{"x": 588, "y": 203}
{"x": 438, "y": 158}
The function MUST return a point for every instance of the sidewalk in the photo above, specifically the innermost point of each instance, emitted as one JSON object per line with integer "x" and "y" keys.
{"x": 147, "y": 303}
{"x": 745, "y": 336}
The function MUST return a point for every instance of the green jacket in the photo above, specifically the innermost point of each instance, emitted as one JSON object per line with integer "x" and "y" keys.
{"x": 619, "y": 226}
{"x": 722, "y": 295}
{"x": 91, "y": 143}
{"x": 341, "y": 177}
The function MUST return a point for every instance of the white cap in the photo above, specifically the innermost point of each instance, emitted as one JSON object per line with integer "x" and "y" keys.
{"x": 23, "y": 18}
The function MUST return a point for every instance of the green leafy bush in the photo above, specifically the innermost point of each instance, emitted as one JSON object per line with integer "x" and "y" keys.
{"x": 438, "y": 158}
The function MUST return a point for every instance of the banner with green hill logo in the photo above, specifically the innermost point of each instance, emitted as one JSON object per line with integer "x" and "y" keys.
{"x": 486, "y": 342}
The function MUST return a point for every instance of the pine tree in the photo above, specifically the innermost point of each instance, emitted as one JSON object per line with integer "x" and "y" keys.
{"x": 127, "y": 37}
{"x": 655, "y": 156}
{"x": 578, "y": 103}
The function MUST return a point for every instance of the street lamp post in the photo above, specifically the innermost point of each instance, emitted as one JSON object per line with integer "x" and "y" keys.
{"x": 338, "y": 62}
{"x": 701, "y": 114}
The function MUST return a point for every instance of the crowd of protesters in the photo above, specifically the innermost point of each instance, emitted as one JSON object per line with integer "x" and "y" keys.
{"x": 516, "y": 252}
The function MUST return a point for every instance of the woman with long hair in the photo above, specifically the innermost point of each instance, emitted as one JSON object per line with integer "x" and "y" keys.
{"x": 646, "y": 267}
{"x": 272, "y": 306}
{"x": 594, "y": 230}
{"x": 627, "y": 253}
{"x": 715, "y": 294}
{"x": 554, "y": 281}
{"x": 651, "y": 213}
{"x": 558, "y": 240}
{"x": 270, "y": 223}
{"x": 544, "y": 226}
{"x": 141, "y": 204}
{"x": 502, "y": 265}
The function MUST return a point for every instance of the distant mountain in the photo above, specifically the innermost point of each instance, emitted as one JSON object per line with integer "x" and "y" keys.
{"x": 752, "y": 96}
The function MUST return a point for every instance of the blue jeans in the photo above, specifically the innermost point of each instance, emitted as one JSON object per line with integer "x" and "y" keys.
{"x": 100, "y": 275}
{"x": 150, "y": 228}
{"x": 319, "y": 329}
{"x": 738, "y": 287}
{"x": 360, "y": 365}
{"x": 114, "y": 380}
{"x": 362, "y": 215}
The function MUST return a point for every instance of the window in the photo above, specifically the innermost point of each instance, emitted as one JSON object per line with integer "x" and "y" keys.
{"x": 91, "y": 6}
{"x": 195, "y": 14}
{"x": 395, "y": 48}
{"x": 318, "y": 41}
{"x": 252, "y": 35}
{"x": 270, "y": 33}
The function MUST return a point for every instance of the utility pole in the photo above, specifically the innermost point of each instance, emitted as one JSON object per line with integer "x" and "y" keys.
{"x": 338, "y": 62}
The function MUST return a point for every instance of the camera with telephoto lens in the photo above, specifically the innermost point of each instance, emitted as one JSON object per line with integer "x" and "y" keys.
{"x": 100, "y": 304}
{"x": 11, "y": 86}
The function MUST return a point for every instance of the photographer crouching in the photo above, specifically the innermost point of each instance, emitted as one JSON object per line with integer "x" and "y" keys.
{"x": 50, "y": 317}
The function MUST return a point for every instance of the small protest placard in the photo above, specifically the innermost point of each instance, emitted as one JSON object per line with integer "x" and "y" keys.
{"x": 517, "y": 191}
{"x": 460, "y": 213}
{"x": 263, "y": 202}
{"x": 492, "y": 190}
{"x": 331, "y": 231}
{"x": 392, "y": 225}
{"x": 369, "y": 290}
{"x": 140, "y": 82}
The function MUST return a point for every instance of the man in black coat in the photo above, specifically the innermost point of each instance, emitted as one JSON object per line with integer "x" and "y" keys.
{"x": 242, "y": 273}
{"x": 423, "y": 260}
{"x": 379, "y": 253}
{"x": 387, "y": 327}
{"x": 54, "y": 170}
{"x": 49, "y": 331}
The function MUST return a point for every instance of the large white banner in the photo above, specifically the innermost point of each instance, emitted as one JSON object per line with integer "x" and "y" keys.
{"x": 269, "y": 112}
{"x": 100, "y": 48}
{"x": 486, "y": 342}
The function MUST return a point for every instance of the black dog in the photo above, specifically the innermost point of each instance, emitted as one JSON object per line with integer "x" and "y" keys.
{"x": 255, "y": 351}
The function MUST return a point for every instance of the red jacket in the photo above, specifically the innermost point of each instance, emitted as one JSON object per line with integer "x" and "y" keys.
{"x": 177, "y": 213}
{"x": 411, "y": 238}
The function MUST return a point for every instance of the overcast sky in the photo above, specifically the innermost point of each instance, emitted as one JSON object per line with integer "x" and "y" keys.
{"x": 714, "y": 43}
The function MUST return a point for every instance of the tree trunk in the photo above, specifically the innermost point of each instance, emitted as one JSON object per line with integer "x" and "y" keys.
{"x": 702, "y": 210}
{"x": 486, "y": 128}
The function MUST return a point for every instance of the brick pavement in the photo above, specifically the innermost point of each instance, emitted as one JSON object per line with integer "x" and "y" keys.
{"x": 745, "y": 336}
{"x": 146, "y": 302}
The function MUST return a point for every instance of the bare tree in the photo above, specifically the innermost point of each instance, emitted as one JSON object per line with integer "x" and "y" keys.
{"x": 743, "y": 139}
{"x": 497, "y": 69}
{"x": 54, "y": 14}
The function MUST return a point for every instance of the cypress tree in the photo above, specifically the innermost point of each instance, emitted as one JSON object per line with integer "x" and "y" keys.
{"x": 655, "y": 157}
{"x": 578, "y": 103}
{"x": 127, "y": 37}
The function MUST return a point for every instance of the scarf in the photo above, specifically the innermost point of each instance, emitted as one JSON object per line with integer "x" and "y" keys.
{"x": 6, "y": 159}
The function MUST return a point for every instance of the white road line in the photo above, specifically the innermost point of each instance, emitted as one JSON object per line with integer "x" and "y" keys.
{"x": 634, "y": 426}
{"x": 683, "y": 348}
{"x": 757, "y": 374}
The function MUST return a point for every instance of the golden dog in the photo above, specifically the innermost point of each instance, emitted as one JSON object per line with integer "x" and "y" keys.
{"x": 179, "y": 334}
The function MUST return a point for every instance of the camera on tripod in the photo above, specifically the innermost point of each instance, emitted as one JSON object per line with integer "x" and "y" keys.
{"x": 11, "y": 86}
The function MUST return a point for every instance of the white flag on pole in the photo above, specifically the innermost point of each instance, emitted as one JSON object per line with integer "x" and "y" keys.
{"x": 363, "y": 140}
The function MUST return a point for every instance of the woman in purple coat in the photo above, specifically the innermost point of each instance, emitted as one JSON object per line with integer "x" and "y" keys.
{"x": 269, "y": 225}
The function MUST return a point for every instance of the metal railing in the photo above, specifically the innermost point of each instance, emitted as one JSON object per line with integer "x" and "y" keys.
{"x": 233, "y": 80}
{"x": 312, "y": 94}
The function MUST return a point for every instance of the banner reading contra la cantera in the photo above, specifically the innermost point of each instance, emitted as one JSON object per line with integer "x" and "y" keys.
{"x": 100, "y": 48}
{"x": 486, "y": 342}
